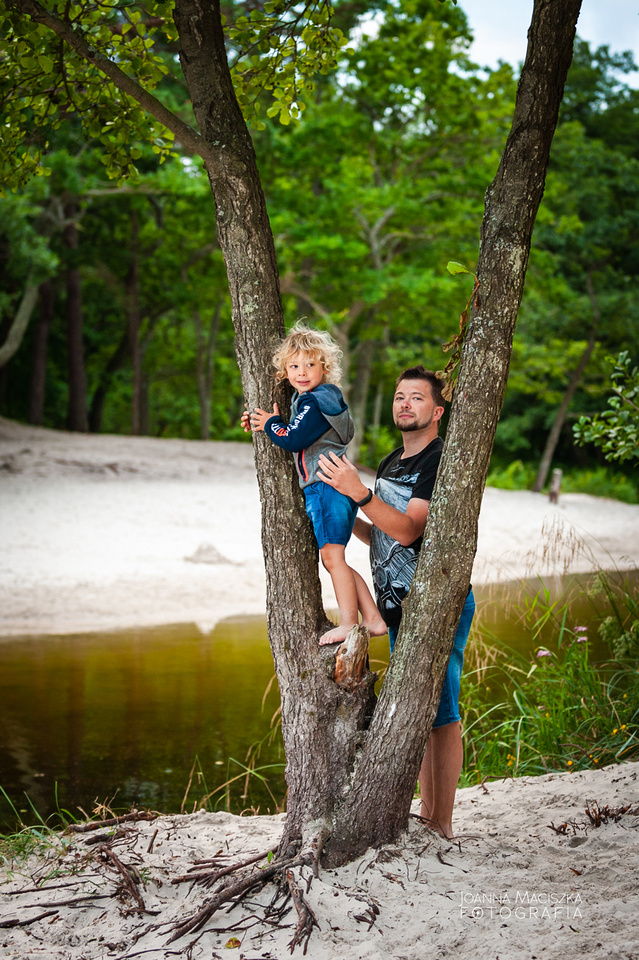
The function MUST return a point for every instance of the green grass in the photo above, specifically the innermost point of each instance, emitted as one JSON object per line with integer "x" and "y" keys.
{"x": 555, "y": 710}
{"x": 601, "y": 482}
{"x": 40, "y": 839}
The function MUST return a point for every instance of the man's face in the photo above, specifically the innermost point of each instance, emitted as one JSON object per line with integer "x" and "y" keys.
{"x": 413, "y": 406}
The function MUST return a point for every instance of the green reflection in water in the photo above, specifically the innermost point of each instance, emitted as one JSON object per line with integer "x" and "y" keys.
{"x": 128, "y": 712}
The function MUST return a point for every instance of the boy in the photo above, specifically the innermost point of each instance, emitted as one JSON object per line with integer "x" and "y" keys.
{"x": 320, "y": 424}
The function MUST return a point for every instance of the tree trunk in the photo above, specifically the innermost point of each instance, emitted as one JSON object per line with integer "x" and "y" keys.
{"x": 560, "y": 416}
{"x": 99, "y": 396}
{"x": 205, "y": 360}
{"x": 20, "y": 322}
{"x": 77, "y": 418}
{"x": 318, "y": 722}
{"x": 132, "y": 308}
{"x": 40, "y": 347}
{"x": 359, "y": 393}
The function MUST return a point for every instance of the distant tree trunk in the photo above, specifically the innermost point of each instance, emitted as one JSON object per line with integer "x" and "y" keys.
{"x": 40, "y": 347}
{"x": 560, "y": 417}
{"x": 77, "y": 418}
{"x": 16, "y": 329}
{"x": 205, "y": 365}
{"x": 379, "y": 392}
{"x": 359, "y": 393}
{"x": 132, "y": 308}
{"x": 99, "y": 395}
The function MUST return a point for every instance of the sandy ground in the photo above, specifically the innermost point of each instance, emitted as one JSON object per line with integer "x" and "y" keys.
{"x": 103, "y": 532}
{"x": 106, "y": 532}
{"x": 510, "y": 888}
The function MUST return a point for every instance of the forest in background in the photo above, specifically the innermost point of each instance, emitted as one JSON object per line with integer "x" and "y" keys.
{"x": 371, "y": 191}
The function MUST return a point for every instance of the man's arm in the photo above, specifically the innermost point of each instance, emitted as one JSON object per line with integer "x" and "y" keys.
{"x": 362, "y": 530}
{"x": 341, "y": 474}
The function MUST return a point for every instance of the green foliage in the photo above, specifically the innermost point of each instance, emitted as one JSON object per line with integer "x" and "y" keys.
{"x": 620, "y": 630}
{"x": 616, "y": 431}
{"x": 516, "y": 476}
{"x": 44, "y": 82}
{"x": 378, "y": 443}
{"x": 602, "y": 482}
{"x": 559, "y": 710}
{"x": 280, "y": 49}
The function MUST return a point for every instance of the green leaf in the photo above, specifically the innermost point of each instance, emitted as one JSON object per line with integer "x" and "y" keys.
{"x": 454, "y": 268}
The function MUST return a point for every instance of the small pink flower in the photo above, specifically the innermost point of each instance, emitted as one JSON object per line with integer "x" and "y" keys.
{"x": 580, "y": 629}
{"x": 542, "y": 652}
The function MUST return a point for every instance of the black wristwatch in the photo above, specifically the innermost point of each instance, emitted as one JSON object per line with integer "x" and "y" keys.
{"x": 366, "y": 499}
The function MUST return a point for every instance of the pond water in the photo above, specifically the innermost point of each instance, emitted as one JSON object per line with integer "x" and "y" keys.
{"x": 138, "y": 716}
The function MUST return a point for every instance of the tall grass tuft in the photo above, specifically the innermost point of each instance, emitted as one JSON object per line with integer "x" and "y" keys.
{"x": 556, "y": 709}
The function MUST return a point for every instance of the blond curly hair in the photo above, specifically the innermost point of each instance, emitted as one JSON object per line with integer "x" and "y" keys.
{"x": 316, "y": 344}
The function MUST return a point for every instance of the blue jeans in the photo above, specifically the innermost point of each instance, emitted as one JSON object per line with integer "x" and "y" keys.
{"x": 448, "y": 710}
{"x": 331, "y": 513}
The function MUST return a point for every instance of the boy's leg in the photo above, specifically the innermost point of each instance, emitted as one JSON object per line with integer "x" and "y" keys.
{"x": 371, "y": 617}
{"x": 332, "y": 555}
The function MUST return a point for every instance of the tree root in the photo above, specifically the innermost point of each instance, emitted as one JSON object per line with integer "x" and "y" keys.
{"x": 306, "y": 918}
{"x": 252, "y": 878}
{"x": 129, "y": 883}
{"x": 207, "y": 878}
{"x": 111, "y": 822}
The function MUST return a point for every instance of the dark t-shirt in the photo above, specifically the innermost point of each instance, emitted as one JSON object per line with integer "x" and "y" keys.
{"x": 393, "y": 565}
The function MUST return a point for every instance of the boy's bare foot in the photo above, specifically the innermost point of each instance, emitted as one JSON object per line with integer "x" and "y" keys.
{"x": 376, "y": 627}
{"x": 336, "y": 635}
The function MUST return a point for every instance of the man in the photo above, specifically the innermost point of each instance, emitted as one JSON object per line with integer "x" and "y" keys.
{"x": 397, "y": 512}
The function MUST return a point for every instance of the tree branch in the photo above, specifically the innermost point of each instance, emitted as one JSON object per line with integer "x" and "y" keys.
{"x": 20, "y": 322}
{"x": 190, "y": 139}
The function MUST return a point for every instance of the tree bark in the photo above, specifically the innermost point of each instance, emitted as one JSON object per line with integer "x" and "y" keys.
{"x": 77, "y": 418}
{"x": 319, "y": 721}
{"x": 40, "y": 347}
{"x": 560, "y": 417}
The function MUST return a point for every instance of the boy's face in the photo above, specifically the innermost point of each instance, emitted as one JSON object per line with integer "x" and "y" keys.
{"x": 304, "y": 372}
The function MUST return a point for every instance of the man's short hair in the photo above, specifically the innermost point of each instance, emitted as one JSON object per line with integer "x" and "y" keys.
{"x": 421, "y": 373}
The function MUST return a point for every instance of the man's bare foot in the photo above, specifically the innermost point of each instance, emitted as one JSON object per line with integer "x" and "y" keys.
{"x": 336, "y": 635}
{"x": 435, "y": 825}
{"x": 376, "y": 627}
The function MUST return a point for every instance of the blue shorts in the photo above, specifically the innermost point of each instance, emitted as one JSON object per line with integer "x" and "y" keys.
{"x": 331, "y": 513}
{"x": 448, "y": 710}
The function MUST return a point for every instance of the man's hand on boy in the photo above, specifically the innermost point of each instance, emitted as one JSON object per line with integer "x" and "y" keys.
{"x": 256, "y": 420}
{"x": 340, "y": 473}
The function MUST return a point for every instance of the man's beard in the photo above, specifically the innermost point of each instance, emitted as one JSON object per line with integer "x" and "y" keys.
{"x": 410, "y": 425}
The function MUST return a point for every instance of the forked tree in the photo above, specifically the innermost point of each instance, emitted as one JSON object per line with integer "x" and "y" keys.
{"x": 352, "y": 764}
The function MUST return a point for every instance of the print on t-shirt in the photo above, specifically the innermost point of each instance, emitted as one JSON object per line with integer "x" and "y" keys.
{"x": 392, "y": 565}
